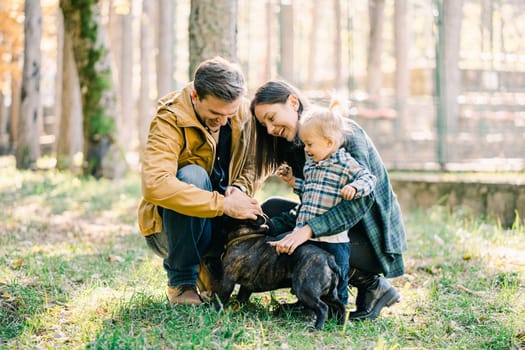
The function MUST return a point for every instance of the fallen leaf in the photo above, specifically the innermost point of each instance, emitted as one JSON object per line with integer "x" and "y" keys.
{"x": 18, "y": 262}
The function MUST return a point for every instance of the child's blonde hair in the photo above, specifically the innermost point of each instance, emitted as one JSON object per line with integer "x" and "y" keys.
{"x": 326, "y": 121}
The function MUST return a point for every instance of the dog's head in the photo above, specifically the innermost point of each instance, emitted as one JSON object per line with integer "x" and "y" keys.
{"x": 237, "y": 228}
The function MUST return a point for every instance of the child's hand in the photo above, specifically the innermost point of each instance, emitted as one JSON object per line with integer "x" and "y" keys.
{"x": 284, "y": 172}
{"x": 348, "y": 192}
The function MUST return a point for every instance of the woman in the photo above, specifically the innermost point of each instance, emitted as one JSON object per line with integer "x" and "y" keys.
{"x": 374, "y": 223}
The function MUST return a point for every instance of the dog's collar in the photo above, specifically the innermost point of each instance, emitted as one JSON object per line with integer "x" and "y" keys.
{"x": 242, "y": 238}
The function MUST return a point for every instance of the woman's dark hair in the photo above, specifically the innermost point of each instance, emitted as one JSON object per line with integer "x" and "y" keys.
{"x": 219, "y": 78}
{"x": 271, "y": 151}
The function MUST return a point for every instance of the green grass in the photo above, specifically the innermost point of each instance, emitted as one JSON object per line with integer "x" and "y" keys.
{"x": 75, "y": 273}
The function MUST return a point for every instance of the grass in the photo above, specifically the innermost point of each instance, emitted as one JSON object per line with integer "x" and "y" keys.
{"x": 75, "y": 273}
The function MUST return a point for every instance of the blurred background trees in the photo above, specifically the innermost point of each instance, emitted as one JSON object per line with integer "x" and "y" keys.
{"x": 28, "y": 148}
{"x": 438, "y": 84}
{"x": 83, "y": 21}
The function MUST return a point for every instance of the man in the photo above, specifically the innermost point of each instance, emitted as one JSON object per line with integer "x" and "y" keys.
{"x": 197, "y": 167}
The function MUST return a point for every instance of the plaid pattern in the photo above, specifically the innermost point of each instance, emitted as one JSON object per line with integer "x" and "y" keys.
{"x": 379, "y": 213}
{"x": 321, "y": 188}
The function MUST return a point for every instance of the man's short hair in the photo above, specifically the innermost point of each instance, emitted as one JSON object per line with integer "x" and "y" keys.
{"x": 220, "y": 78}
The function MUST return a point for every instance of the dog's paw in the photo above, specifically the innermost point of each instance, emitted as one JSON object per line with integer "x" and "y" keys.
{"x": 207, "y": 296}
{"x": 217, "y": 304}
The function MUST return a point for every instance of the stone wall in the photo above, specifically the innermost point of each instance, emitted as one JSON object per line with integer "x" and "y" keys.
{"x": 495, "y": 200}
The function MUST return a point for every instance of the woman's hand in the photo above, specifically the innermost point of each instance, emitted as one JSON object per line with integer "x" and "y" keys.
{"x": 290, "y": 242}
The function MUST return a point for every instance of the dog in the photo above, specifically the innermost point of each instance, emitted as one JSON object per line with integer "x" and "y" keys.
{"x": 251, "y": 262}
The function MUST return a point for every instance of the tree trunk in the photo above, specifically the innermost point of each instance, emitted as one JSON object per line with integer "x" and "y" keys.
{"x": 15, "y": 110}
{"x": 212, "y": 31}
{"x": 402, "y": 74}
{"x": 447, "y": 75}
{"x": 451, "y": 81}
{"x": 91, "y": 53}
{"x": 312, "y": 40}
{"x": 286, "y": 30}
{"x": 487, "y": 12}
{"x": 338, "y": 47}
{"x": 59, "y": 77}
{"x": 4, "y": 135}
{"x": 126, "y": 118}
{"x": 374, "y": 80}
{"x": 166, "y": 46}
{"x": 28, "y": 146}
{"x": 121, "y": 42}
{"x": 268, "y": 62}
{"x": 70, "y": 138}
{"x": 146, "y": 56}
{"x": 114, "y": 28}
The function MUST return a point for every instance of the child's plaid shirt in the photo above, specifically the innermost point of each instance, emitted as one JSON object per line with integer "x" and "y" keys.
{"x": 321, "y": 188}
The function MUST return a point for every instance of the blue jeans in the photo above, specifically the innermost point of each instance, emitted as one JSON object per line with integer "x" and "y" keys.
{"x": 188, "y": 238}
{"x": 341, "y": 253}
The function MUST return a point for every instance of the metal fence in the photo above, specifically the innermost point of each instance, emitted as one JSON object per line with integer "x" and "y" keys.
{"x": 490, "y": 133}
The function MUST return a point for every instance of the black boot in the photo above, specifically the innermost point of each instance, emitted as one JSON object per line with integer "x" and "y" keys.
{"x": 374, "y": 292}
{"x": 360, "y": 297}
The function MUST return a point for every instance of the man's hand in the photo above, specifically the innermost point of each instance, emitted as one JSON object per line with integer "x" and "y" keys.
{"x": 290, "y": 242}
{"x": 230, "y": 190}
{"x": 239, "y": 205}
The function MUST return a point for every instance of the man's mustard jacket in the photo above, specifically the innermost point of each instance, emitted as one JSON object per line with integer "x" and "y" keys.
{"x": 177, "y": 138}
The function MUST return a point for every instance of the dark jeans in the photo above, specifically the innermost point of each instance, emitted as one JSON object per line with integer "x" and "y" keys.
{"x": 184, "y": 239}
{"x": 362, "y": 255}
{"x": 341, "y": 253}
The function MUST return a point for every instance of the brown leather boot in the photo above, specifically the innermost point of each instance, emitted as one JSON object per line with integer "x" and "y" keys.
{"x": 184, "y": 295}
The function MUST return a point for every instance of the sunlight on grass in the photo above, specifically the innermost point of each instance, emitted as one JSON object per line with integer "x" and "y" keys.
{"x": 75, "y": 273}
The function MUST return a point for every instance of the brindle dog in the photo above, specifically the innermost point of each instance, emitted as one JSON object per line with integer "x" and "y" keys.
{"x": 252, "y": 263}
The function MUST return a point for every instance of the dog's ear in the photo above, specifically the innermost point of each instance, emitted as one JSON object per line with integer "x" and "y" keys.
{"x": 231, "y": 223}
{"x": 261, "y": 223}
{"x": 261, "y": 220}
